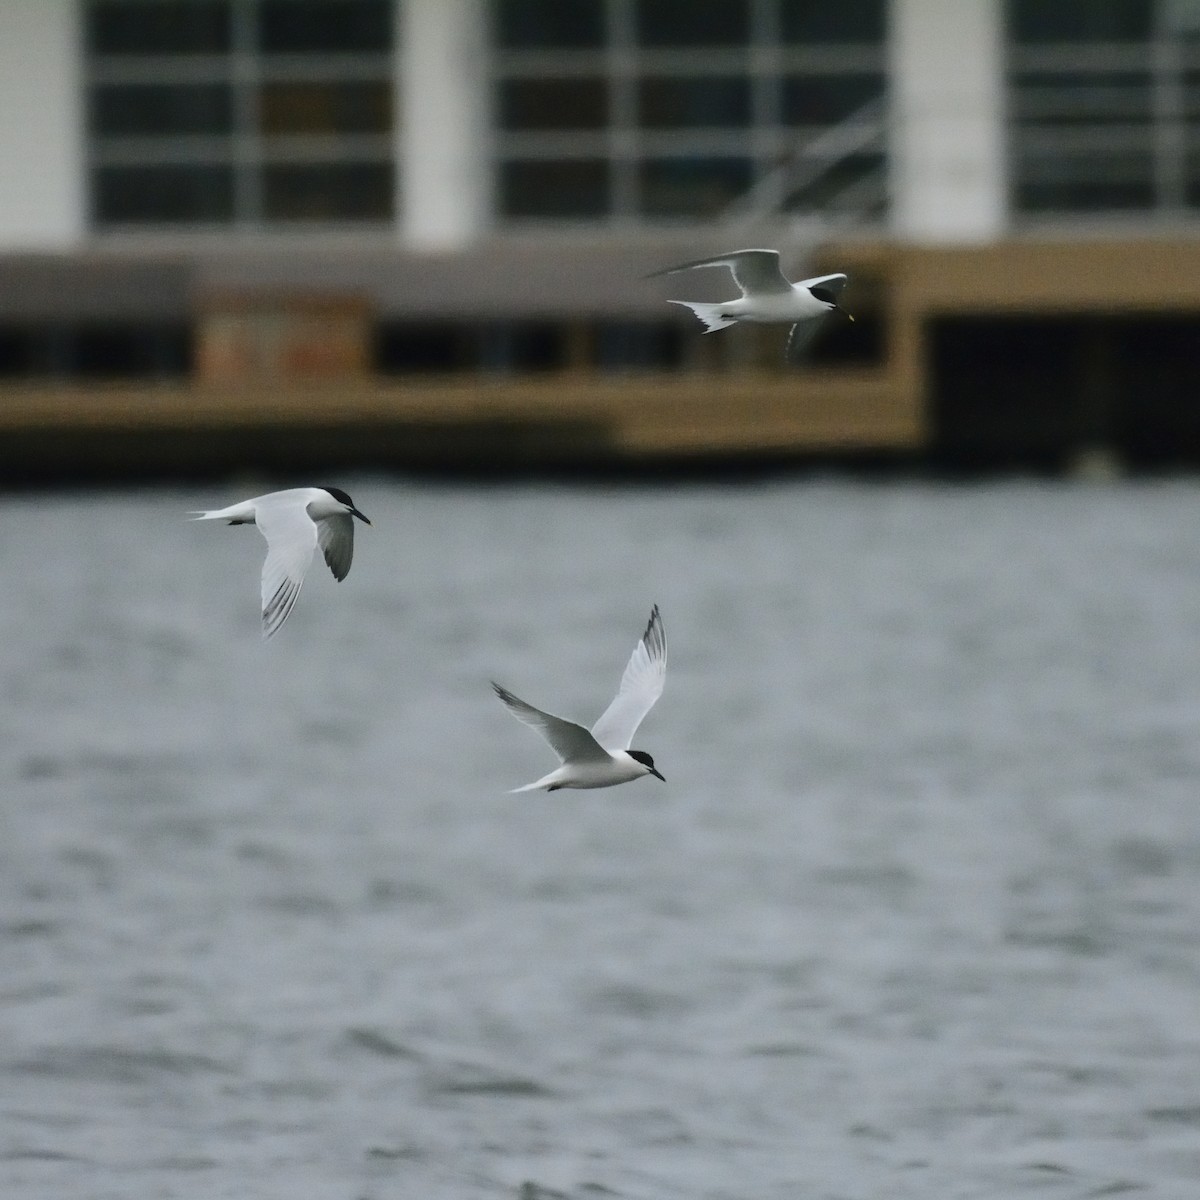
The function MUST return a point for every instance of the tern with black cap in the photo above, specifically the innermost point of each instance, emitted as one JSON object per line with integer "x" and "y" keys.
{"x": 768, "y": 297}
{"x": 602, "y": 756}
{"x": 294, "y": 522}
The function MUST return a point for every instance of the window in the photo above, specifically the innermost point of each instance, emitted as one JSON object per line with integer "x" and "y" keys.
{"x": 246, "y": 112}
{"x": 1104, "y": 106}
{"x": 684, "y": 109}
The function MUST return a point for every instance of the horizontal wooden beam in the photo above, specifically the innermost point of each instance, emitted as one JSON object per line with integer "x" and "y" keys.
{"x": 666, "y": 412}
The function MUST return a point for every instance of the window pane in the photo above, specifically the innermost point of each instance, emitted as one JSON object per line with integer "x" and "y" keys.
{"x": 130, "y": 110}
{"x": 325, "y": 26}
{"x": 693, "y": 22}
{"x": 827, "y": 99}
{"x": 162, "y": 194}
{"x": 1034, "y": 21}
{"x": 687, "y": 103}
{"x": 325, "y": 108}
{"x": 692, "y": 187}
{"x": 1191, "y": 94}
{"x": 140, "y": 27}
{"x": 805, "y": 22}
{"x": 865, "y": 172}
{"x": 1083, "y": 182}
{"x": 328, "y": 192}
{"x": 533, "y": 24}
{"x": 1192, "y": 185}
{"x": 109, "y": 350}
{"x": 623, "y": 344}
{"x": 552, "y": 104}
{"x": 1082, "y": 97}
{"x": 554, "y": 189}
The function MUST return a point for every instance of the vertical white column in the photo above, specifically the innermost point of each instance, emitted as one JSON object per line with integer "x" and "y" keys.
{"x": 443, "y": 127}
{"x": 948, "y": 171}
{"x": 42, "y": 187}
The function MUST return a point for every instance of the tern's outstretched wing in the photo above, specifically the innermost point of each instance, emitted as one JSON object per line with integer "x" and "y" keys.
{"x": 756, "y": 272}
{"x": 641, "y": 686}
{"x": 801, "y": 337}
{"x": 571, "y": 742}
{"x": 291, "y": 539}
{"x": 825, "y": 287}
{"x": 336, "y": 536}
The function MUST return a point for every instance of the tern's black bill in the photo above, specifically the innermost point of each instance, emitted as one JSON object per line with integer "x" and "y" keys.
{"x": 657, "y": 775}
{"x": 355, "y": 513}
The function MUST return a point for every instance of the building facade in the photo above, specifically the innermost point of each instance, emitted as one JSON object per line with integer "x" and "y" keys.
{"x": 485, "y": 178}
{"x": 438, "y": 122}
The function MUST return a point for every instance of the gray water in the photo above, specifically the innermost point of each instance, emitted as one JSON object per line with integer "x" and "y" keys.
{"x": 916, "y": 914}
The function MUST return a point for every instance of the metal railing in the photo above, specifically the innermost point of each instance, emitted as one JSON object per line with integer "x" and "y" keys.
{"x": 817, "y": 182}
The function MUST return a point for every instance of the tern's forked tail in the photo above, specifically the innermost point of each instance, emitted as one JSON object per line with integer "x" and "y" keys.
{"x": 235, "y": 514}
{"x": 547, "y": 783}
{"x": 710, "y": 314}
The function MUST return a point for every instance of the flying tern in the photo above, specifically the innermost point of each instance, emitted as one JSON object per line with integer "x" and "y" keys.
{"x": 767, "y": 296}
{"x": 602, "y": 757}
{"x": 294, "y": 522}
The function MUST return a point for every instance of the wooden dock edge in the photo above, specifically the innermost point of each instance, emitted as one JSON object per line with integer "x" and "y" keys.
{"x": 555, "y": 419}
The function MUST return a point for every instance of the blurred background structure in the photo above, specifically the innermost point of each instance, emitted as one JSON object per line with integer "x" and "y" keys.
{"x": 412, "y": 232}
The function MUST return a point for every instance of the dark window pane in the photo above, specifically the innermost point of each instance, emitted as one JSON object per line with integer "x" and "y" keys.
{"x": 620, "y": 345}
{"x": 325, "y": 108}
{"x": 1079, "y": 182}
{"x": 179, "y": 27}
{"x": 17, "y": 352}
{"x": 134, "y": 109}
{"x": 864, "y": 172}
{"x": 693, "y": 22}
{"x": 826, "y": 99}
{"x": 1004, "y": 389}
{"x": 196, "y": 193}
{"x": 124, "y": 351}
{"x": 1191, "y": 93}
{"x": 328, "y": 192}
{"x": 553, "y": 104}
{"x": 325, "y": 26}
{"x": 554, "y": 189}
{"x": 534, "y": 24}
{"x": 1193, "y": 180}
{"x": 809, "y": 22}
{"x": 1082, "y": 97}
{"x": 691, "y": 187}
{"x": 113, "y": 351}
{"x": 1034, "y": 21}
{"x": 411, "y": 346}
{"x": 687, "y": 103}
{"x": 519, "y": 346}
{"x": 1157, "y": 377}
